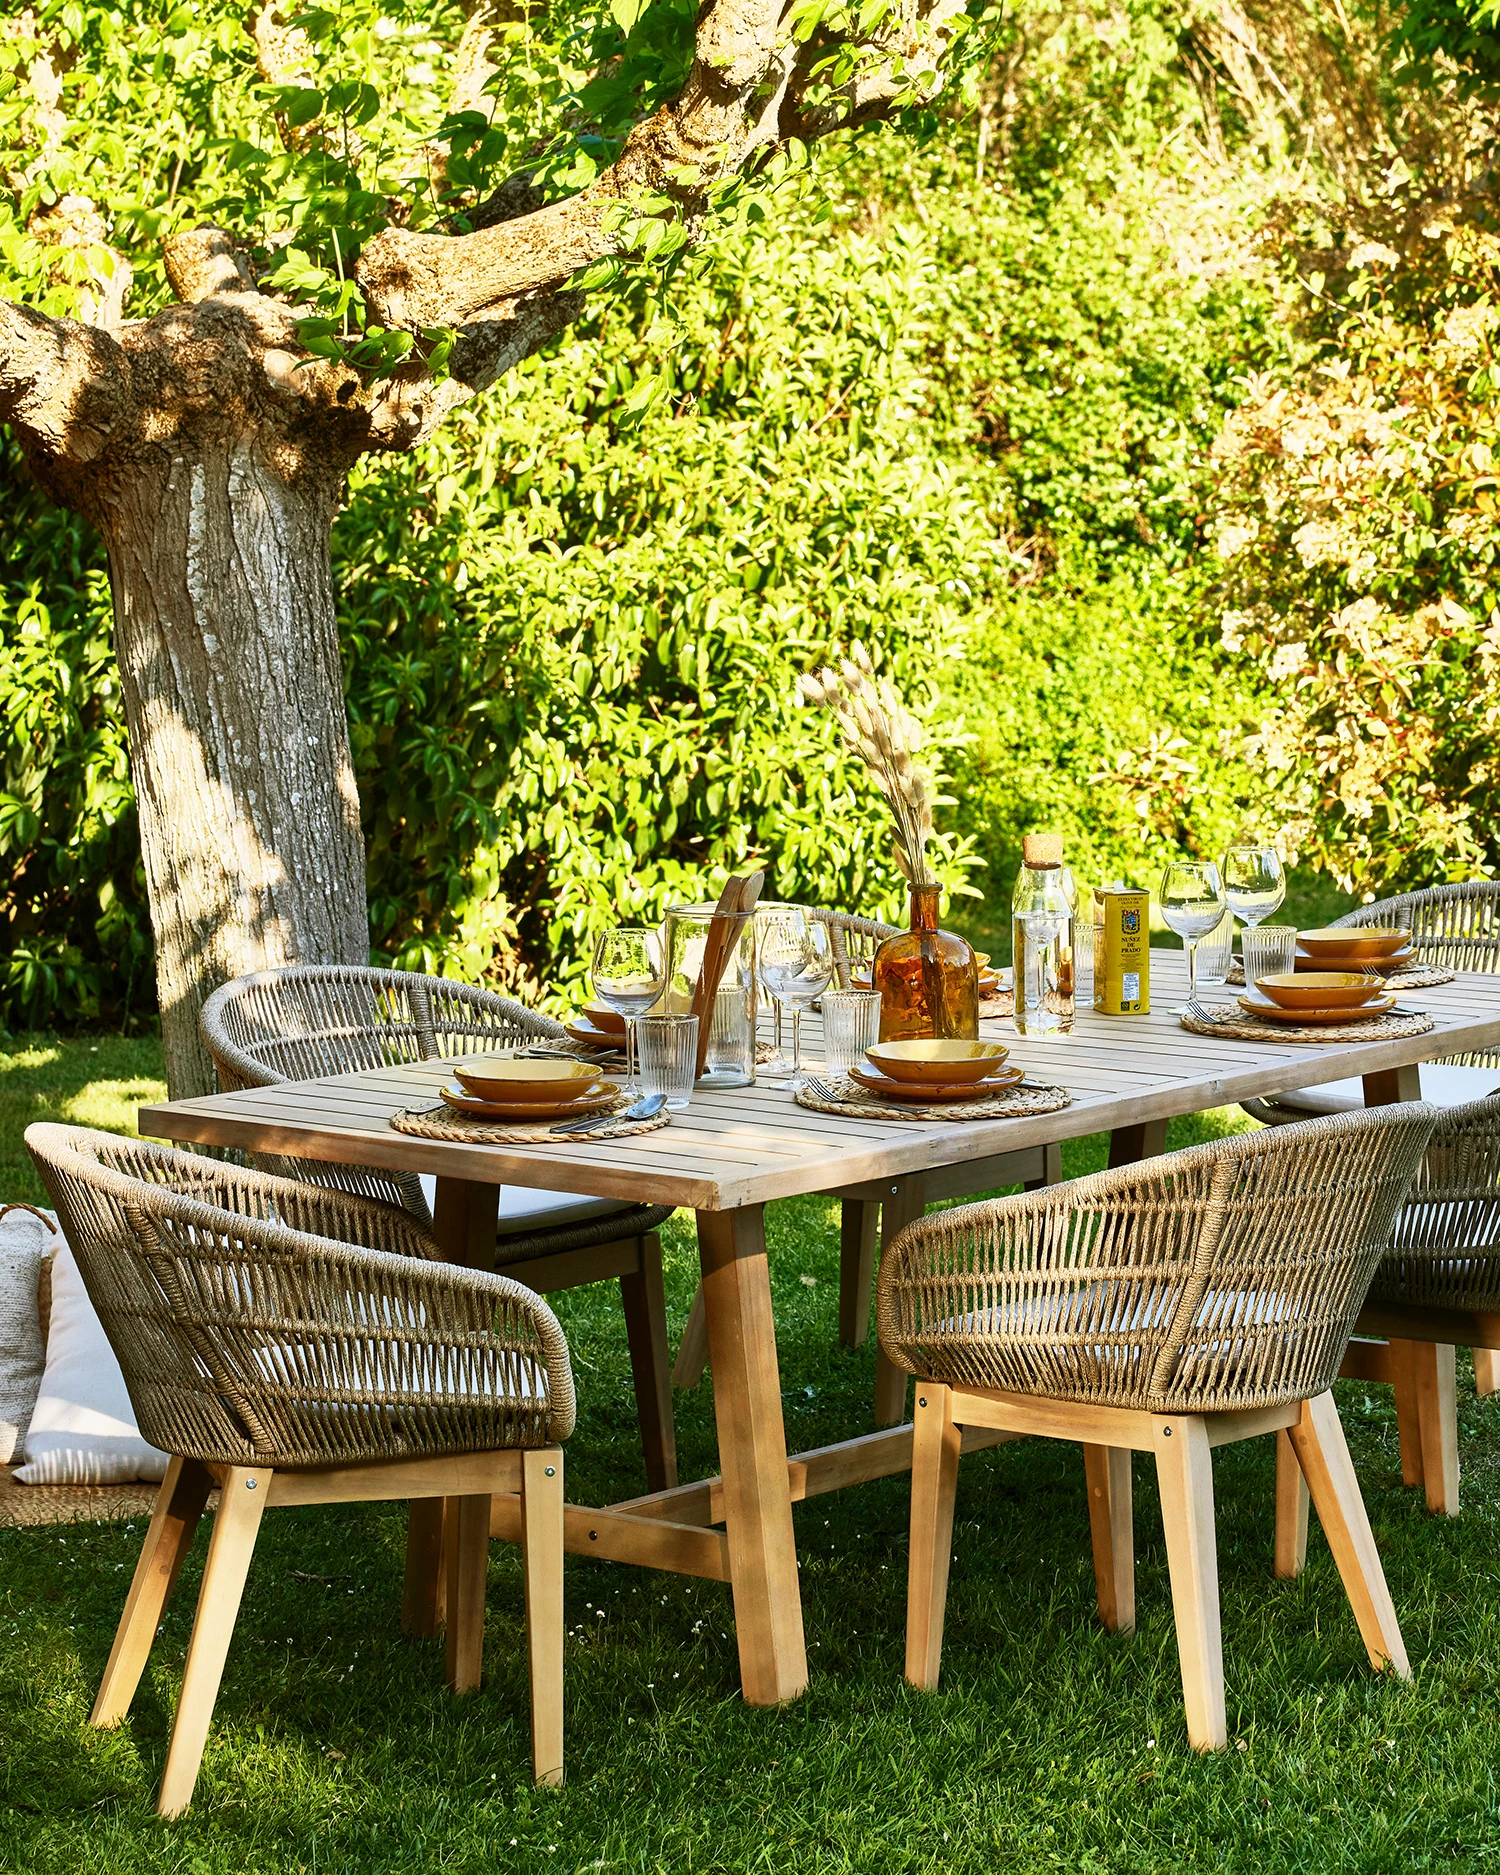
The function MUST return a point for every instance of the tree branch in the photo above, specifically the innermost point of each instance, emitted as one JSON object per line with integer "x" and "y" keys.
{"x": 74, "y": 223}
{"x": 745, "y": 90}
{"x": 61, "y": 384}
{"x": 204, "y": 262}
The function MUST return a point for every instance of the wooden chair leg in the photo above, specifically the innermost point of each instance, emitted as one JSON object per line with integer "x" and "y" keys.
{"x": 1318, "y": 1440}
{"x": 1111, "y": 1524}
{"x": 858, "y": 1224}
{"x": 934, "y": 1488}
{"x": 692, "y": 1352}
{"x": 1291, "y": 1512}
{"x": 1408, "y": 1421}
{"x": 424, "y": 1597}
{"x": 1051, "y": 1168}
{"x": 1184, "y": 1473}
{"x": 242, "y": 1501}
{"x": 905, "y": 1202}
{"x": 467, "y": 1523}
{"x": 1433, "y": 1372}
{"x": 1486, "y": 1372}
{"x": 542, "y": 1570}
{"x": 174, "y": 1519}
{"x": 645, "y": 1303}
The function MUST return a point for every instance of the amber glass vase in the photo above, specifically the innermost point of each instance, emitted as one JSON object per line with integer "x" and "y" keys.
{"x": 928, "y": 979}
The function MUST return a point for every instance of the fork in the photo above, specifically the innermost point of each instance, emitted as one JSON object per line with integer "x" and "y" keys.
{"x": 820, "y": 1088}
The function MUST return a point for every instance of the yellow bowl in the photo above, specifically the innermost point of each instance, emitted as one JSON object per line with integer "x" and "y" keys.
{"x": 610, "y": 1020}
{"x": 502, "y": 1078}
{"x": 1354, "y": 940}
{"x": 941, "y": 1063}
{"x": 1321, "y": 989}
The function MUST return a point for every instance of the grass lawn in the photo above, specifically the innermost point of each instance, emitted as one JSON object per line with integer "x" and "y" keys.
{"x": 1051, "y": 1746}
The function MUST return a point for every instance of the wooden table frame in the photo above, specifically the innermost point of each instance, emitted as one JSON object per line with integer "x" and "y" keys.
{"x": 729, "y": 1155}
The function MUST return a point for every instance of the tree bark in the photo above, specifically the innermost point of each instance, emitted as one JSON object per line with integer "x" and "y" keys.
{"x": 228, "y": 650}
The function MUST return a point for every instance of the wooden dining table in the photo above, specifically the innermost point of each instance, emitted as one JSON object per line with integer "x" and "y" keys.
{"x": 727, "y": 1156}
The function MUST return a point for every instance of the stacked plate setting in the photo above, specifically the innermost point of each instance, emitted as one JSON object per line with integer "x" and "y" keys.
{"x": 1326, "y": 997}
{"x": 503, "y": 1087}
{"x": 598, "y": 1026}
{"x": 936, "y": 1071}
{"x": 1355, "y": 947}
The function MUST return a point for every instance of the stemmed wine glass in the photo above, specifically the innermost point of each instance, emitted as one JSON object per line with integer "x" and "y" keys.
{"x": 1254, "y": 882}
{"x": 628, "y": 977}
{"x": 796, "y": 966}
{"x": 1192, "y": 903}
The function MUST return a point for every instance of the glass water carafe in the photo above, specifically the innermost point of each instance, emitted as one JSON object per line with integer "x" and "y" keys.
{"x": 1042, "y": 940}
{"x": 730, "y": 1058}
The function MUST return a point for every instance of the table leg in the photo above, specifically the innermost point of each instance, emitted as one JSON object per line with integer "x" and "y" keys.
{"x": 464, "y": 1217}
{"x": 899, "y": 1206}
{"x": 1146, "y": 1139}
{"x": 752, "y": 1454}
{"x": 1392, "y": 1085}
{"x": 859, "y": 1223}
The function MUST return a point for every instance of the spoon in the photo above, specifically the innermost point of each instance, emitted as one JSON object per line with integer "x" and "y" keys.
{"x": 642, "y": 1110}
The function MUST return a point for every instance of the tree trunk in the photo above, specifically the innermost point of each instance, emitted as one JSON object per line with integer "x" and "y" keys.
{"x": 228, "y": 652}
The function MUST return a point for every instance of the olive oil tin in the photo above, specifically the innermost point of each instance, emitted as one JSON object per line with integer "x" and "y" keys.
{"x": 1122, "y": 951}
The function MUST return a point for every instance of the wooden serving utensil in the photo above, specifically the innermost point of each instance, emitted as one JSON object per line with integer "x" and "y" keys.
{"x": 736, "y": 903}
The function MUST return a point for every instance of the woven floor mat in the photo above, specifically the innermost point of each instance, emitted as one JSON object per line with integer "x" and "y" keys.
{"x": 1415, "y": 977}
{"x": 855, "y": 1104}
{"x": 464, "y": 1129}
{"x": 1231, "y": 1021}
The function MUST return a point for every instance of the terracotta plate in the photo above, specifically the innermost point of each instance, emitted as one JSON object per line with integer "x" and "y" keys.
{"x": 1354, "y": 940}
{"x": 1397, "y": 960}
{"x": 599, "y": 1100}
{"x": 915, "y": 1090}
{"x": 599, "y": 1017}
{"x": 1315, "y": 1018}
{"x": 582, "y": 1030}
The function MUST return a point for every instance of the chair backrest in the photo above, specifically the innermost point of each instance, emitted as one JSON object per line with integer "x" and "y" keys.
{"x": 307, "y": 1020}
{"x": 853, "y": 942}
{"x": 267, "y": 1321}
{"x": 1225, "y": 1276}
{"x": 1444, "y": 1249}
{"x": 1456, "y": 927}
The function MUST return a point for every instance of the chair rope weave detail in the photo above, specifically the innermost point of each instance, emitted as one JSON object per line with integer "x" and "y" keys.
{"x": 1444, "y": 1250}
{"x": 265, "y": 1321}
{"x": 852, "y": 941}
{"x": 1223, "y": 1277}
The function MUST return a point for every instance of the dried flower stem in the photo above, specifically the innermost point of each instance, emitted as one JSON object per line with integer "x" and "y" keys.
{"x": 884, "y": 735}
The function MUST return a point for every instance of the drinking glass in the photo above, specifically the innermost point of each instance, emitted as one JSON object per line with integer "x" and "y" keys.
{"x": 1216, "y": 951}
{"x": 778, "y": 1067}
{"x": 1254, "y": 883}
{"x": 1269, "y": 951}
{"x": 628, "y": 977}
{"x": 1192, "y": 903}
{"x": 796, "y": 966}
{"x": 669, "y": 1054}
{"x": 851, "y": 1024}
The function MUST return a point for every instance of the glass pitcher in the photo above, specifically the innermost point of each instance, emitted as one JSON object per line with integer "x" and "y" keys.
{"x": 730, "y": 1061}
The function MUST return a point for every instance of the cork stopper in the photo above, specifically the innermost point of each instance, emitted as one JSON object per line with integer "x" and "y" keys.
{"x": 1042, "y": 849}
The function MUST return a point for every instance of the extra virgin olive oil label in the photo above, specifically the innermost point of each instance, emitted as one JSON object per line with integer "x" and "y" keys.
{"x": 1122, "y": 951}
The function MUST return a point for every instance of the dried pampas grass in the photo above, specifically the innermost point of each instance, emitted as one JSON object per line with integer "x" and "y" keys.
{"x": 885, "y": 736}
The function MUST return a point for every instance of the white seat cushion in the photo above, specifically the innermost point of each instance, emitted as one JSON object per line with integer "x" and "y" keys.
{"x": 83, "y": 1429}
{"x": 522, "y": 1209}
{"x": 1445, "y": 1084}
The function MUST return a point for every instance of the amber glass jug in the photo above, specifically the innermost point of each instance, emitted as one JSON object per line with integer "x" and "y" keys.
{"x": 928, "y": 979}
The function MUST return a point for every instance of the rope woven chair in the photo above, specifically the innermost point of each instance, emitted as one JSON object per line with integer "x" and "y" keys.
{"x": 296, "y": 1345}
{"x": 1437, "y": 1285}
{"x": 1168, "y": 1307}
{"x": 310, "y": 1020}
{"x": 853, "y": 943}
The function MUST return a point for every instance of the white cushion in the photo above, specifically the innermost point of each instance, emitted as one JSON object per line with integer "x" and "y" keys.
{"x": 1444, "y": 1083}
{"x": 83, "y": 1429}
{"x": 523, "y": 1209}
{"x": 25, "y": 1243}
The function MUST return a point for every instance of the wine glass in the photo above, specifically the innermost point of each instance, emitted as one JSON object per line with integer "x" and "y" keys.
{"x": 628, "y": 977}
{"x": 1254, "y": 882}
{"x": 796, "y": 966}
{"x": 1192, "y": 903}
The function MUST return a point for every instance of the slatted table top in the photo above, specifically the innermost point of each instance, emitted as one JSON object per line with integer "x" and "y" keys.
{"x": 754, "y": 1144}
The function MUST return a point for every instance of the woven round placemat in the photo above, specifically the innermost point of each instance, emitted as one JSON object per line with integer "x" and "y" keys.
{"x": 1415, "y": 977}
{"x": 1230, "y": 1020}
{"x": 444, "y": 1123}
{"x": 855, "y": 1104}
{"x": 1002, "y": 1005}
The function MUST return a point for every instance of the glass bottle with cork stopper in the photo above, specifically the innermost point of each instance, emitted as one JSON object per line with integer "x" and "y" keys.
{"x": 1042, "y": 939}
